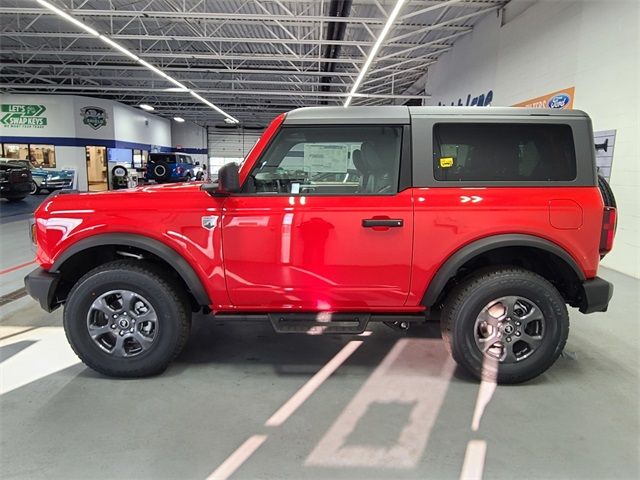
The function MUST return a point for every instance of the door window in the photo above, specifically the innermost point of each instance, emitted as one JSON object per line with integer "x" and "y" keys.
{"x": 329, "y": 160}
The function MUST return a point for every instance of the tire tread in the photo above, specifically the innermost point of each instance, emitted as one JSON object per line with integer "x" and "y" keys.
{"x": 460, "y": 294}
{"x": 175, "y": 293}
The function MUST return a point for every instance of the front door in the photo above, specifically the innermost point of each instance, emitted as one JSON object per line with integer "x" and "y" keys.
{"x": 320, "y": 224}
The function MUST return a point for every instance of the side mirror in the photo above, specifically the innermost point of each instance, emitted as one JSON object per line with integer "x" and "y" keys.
{"x": 197, "y": 163}
{"x": 228, "y": 181}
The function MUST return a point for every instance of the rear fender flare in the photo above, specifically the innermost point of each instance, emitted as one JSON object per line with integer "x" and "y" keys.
{"x": 468, "y": 252}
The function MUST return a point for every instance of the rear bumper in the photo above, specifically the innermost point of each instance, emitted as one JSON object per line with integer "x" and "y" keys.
{"x": 596, "y": 294}
{"x": 42, "y": 285}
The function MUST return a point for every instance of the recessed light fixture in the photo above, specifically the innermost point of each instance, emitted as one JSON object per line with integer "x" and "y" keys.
{"x": 179, "y": 119}
{"x": 146, "y": 107}
{"x": 179, "y": 87}
{"x": 374, "y": 50}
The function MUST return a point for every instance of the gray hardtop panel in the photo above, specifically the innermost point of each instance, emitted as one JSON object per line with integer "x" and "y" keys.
{"x": 496, "y": 112}
{"x": 389, "y": 115}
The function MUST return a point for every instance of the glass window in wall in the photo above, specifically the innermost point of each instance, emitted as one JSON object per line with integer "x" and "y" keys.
{"x": 140, "y": 158}
{"x": 18, "y": 151}
{"x": 42, "y": 155}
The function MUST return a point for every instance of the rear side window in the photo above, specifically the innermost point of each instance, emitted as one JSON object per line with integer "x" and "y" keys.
{"x": 496, "y": 152}
{"x": 162, "y": 158}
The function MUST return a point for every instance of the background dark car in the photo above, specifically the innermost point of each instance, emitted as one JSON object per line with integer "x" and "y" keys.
{"x": 15, "y": 181}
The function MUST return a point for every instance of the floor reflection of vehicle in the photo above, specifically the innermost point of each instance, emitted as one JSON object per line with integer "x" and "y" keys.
{"x": 45, "y": 178}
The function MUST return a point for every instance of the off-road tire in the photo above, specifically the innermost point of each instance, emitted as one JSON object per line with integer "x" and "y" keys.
{"x": 463, "y": 305}
{"x": 165, "y": 176}
{"x": 119, "y": 171}
{"x": 167, "y": 297}
{"x": 607, "y": 193}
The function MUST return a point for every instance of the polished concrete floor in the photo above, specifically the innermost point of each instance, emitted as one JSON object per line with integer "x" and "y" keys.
{"x": 243, "y": 402}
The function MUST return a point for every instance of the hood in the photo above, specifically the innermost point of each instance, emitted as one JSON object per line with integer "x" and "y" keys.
{"x": 168, "y": 197}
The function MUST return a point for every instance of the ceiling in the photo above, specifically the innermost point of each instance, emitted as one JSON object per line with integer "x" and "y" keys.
{"x": 252, "y": 58}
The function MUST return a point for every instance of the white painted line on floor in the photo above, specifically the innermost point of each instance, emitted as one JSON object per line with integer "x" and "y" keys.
{"x": 11, "y": 331}
{"x": 474, "y": 460}
{"x": 49, "y": 354}
{"x": 485, "y": 392}
{"x": 237, "y": 458}
{"x": 487, "y": 388}
{"x": 312, "y": 385}
{"x": 414, "y": 377}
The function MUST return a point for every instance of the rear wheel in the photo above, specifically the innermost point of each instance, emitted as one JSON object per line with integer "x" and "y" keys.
{"x": 126, "y": 319}
{"x": 505, "y": 324}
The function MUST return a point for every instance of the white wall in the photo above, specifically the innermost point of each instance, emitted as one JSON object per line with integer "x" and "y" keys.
{"x": 136, "y": 125}
{"x": 189, "y": 135}
{"x": 552, "y": 45}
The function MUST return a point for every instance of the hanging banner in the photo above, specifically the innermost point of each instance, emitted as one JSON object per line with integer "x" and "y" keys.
{"x": 559, "y": 99}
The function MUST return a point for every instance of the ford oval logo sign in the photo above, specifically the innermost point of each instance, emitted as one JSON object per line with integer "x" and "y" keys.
{"x": 559, "y": 101}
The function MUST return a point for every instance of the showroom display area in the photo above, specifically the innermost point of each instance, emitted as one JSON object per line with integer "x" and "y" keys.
{"x": 90, "y": 135}
{"x": 537, "y": 48}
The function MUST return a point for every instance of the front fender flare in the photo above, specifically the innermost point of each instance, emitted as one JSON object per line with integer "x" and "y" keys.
{"x": 449, "y": 268}
{"x": 151, "y": 245}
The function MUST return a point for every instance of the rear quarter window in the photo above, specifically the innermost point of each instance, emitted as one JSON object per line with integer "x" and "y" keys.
{"x": 162, "y": 157}
{"x": 497, "y": 152}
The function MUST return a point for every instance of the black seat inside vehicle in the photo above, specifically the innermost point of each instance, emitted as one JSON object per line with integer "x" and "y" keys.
{"x": 376, "y": 177}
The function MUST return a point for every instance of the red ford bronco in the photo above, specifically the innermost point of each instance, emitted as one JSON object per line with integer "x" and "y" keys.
{"x": 492, "y": 220}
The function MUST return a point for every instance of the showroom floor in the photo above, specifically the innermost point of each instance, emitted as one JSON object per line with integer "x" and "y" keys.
{"x": 245, "y": 402}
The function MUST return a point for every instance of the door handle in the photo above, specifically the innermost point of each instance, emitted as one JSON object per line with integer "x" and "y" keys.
{"x": 382, "y": 222}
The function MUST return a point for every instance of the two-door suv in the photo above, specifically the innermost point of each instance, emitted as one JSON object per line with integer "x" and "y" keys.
{"x": 489, "y": 219}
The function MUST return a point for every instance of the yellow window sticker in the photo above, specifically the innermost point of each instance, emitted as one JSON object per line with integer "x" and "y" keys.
{"x": 446, "y": 162}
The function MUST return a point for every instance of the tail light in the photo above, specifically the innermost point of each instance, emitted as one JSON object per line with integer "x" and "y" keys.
{"x": 609, "y": 223}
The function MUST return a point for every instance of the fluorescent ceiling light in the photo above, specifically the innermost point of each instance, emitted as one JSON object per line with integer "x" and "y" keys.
{"x": 179, "y": 119}
{"x": 179, "y": 87}
{"x": 175, "y": 89}
{"x": 146, "y": 107}
{"x": 229, "y": 118}
{"x": 376, "y": 46}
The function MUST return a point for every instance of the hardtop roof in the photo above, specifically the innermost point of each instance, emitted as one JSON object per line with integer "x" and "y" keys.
{"x": 400, "y": 114}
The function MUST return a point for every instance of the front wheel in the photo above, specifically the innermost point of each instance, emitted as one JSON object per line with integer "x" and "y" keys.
{"x": 35, "y": 189}
{"x": 507, "y": 325}
{"x": 127, "y": 319}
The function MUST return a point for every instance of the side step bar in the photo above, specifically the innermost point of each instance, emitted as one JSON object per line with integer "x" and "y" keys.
{"x": 317, "y": 323}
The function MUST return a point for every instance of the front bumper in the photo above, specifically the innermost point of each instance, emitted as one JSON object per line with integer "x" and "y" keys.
{"x": 56, "y": 184}
{"x": 15, "y": 188}
{"x": 596, "y": 294}
{"x": 42, "y": 286}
